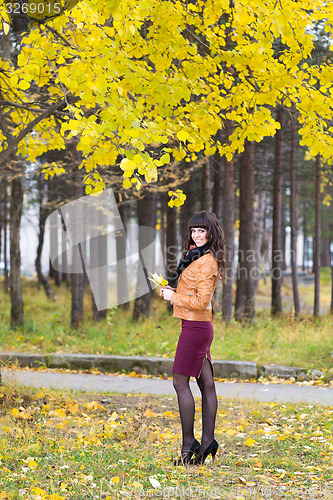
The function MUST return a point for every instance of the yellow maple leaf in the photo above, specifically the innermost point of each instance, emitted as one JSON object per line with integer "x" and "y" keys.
{"x": 182, "y": 135}
{"x": 15, "y": 412}
{"x": 158, "y": 279}
{"x": 55, "y": 496}
{"x": 250, "y": 442}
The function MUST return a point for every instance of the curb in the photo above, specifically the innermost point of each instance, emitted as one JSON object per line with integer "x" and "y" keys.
{"x": 154, "y": 365}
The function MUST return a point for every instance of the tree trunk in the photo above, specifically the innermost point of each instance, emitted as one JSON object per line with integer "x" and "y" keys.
{"x": 293, "y": 220}
{"x": 77, "y": 288}
{"x": 325, "y": 258}
{"x": 216, "y": 164}
{"x": 146, "y": 218}
{"x": 277, "y": 254}
{"x": 305, "y": 235}
{"x": 331, "y": 287}
{"x": 64, "y": 259}
{"x": 171, "y": 253}
{"x": 259, "y": 227}
{"x": 78, "y": 268}
{"x": 206, "y": 188}
{"x": 283, "y": 234}
{"x": 163, "y": 201}
{"x": 122, "y": 277}
{"x": 5, "y": 241}
{"x": 245, "y": 301}
{"x": 99, "y": 261}
{"x": 188, "y": 209}
{"x": 16, "y": 300}
{"x": 1, "y": 224}
{"x": 316, "y": 259}
{"x": 53, "y": 200}
{"x": 228, "y": 227}
{"x": 42, "y": 279}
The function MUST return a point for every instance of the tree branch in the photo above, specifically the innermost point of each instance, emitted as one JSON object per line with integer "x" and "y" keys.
{"x": 58, "y": 35}
{"x": 29, "y": 128}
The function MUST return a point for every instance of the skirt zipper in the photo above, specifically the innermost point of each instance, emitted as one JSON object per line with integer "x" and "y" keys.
{"x": 206, "y": 357}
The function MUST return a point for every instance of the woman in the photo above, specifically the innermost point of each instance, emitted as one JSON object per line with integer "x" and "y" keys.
{"x": 198, "y": 273}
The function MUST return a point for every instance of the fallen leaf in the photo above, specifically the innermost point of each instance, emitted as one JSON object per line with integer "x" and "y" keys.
{"x": 154, "y": 482}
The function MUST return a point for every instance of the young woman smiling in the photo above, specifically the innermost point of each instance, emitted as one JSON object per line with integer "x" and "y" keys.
{"x": 198, "y": 273}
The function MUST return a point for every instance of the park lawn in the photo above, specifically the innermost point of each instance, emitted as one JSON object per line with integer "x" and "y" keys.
{"x": 59, "y": 445}
{"x": 305, "y": 342}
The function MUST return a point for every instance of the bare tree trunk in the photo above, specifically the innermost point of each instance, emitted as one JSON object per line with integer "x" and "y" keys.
{"x": 245, "y": 301}
{"x": 171, "y": 253}
{"x": 42, "y": 279}
{"x": 53, "y": 199}
{"x": 216, "y": 164}
{"x": 283, "y": 234}
{"x": 259, "y": 226}
{"x": 325, "y": 258}
{"x": 99, "y": 260}
{"x": 171, "y": 241}
{"x": 277, "y": 254}
{"x": 293, "y": 220}
{"x": 64, "y": 260}
{"x": 331, "y": 310}
{"x": 122, "y": 277}
{"x": 188, "y": 209}
{"x": 77, "y": 288}
{"x": 78, "y": 269}
{"x": 316, "y": 260}
{"x": 1, "y": 224}
{"x": 228, "y": 227}
{"x": 16, "y": 300}
{"x": 206, "y": 187}
{"x": 146, "y": 217}
{"x": 5, "y": 241}
{"x": 305, "y": 235}
{"x": 163, "y": 202}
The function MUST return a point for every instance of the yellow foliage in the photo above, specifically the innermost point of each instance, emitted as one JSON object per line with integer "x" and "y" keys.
{"x": 128, "y": 88}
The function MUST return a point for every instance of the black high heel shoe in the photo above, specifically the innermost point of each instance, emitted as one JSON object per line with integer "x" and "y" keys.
{"x": 186, "y": 459}
{"x": 210, "y": 450}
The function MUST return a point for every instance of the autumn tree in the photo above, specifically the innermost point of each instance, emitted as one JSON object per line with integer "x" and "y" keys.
{"x": 142, "y": 84}
{"x": 129, "y": 101}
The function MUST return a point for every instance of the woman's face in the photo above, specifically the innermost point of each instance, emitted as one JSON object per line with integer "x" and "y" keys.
{"x": 199, "y": 236}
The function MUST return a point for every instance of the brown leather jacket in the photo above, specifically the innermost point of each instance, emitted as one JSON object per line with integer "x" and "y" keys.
{"x": 196, "y": 284}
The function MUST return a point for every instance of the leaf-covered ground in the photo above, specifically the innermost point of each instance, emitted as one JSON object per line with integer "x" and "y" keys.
{"x": 67, "y": 445}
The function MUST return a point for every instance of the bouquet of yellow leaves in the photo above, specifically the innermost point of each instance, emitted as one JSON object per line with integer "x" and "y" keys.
{"x": 158, "y": 279}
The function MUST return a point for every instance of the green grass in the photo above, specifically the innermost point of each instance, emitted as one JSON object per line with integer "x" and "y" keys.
{"x": 68, "y": 445}
{"x": 305, "y": 342}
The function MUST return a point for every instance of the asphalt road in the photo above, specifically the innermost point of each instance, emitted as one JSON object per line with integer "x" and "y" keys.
{"x": 102, "y": 383}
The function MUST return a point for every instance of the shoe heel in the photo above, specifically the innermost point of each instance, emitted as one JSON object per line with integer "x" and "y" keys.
{"x": 210, "y": 450}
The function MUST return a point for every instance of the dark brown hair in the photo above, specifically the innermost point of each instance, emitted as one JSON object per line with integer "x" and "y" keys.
{"x": 215, "y": 237}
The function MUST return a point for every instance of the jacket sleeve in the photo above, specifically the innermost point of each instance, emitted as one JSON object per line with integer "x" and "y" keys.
{"x": 201, "y": 296}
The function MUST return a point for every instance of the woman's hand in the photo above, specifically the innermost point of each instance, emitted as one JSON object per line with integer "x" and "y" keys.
{"x": 166, "y": 292}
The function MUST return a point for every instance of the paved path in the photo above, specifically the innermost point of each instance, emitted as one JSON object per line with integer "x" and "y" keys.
{"x": 112, "y": 383}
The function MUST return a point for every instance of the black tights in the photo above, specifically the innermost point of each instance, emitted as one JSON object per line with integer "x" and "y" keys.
{"x": 187, "y": 406}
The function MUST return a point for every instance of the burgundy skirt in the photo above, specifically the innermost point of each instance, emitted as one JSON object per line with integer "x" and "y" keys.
{"x": 193, "y": 347}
